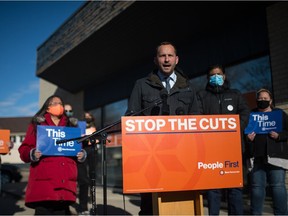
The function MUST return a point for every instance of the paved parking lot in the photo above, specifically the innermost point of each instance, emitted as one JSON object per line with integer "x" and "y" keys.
{"x": 12, "y": 201}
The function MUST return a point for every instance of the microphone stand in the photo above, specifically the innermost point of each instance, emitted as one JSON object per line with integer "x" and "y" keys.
{"x": 102, "y": 136}
{"x": 104, "y": 175}
{"x": 92, "y": 175}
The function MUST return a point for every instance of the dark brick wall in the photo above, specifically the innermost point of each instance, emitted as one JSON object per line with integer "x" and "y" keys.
{"x": 277, "y": 21}
{"x": 89, "y": 18}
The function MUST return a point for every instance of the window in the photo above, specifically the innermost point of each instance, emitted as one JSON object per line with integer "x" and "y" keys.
{"x": 246, "y": 77}
{"x": 13, "y": 139}
{"x": 114, "y": 111}
{"x": 251, "y": 75}
{"x": 22, "y": 138}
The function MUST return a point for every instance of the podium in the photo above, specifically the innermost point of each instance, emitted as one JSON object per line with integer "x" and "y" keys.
{"x": 175, "y": 157}
{"x": 178, "y": 203}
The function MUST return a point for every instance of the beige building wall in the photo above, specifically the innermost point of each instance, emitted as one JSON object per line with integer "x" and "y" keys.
{"x": 13, "y": 157}
{"x": 46, "y": 89}
{"x": 76, "y": 100}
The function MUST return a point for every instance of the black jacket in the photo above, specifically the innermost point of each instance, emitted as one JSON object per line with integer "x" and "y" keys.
{"x": 149, "y": 90}
{"x": 223, "y": 100}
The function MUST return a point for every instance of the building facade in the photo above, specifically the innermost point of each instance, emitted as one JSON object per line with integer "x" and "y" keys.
{"x": 95, "y": 57}
{"x": 17, "y": 127}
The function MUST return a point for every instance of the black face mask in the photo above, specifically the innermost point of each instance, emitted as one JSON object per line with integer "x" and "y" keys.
{"x": 262, "y": 104}
{"x": 88, "y": 120}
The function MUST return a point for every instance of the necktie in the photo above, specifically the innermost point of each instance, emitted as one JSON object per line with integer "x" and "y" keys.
{"x": 168, "y": 87}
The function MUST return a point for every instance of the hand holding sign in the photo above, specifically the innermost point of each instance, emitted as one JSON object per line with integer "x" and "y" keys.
{"x": 274, "y": 135}
{"x": 80, "y": 155}
{"x": 251, "y": 136}
{"x": 37, "y": 154}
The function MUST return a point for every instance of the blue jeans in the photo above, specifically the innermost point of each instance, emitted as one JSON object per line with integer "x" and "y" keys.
{"x": 235, "y": 201}
{"x": 275, "y": 176}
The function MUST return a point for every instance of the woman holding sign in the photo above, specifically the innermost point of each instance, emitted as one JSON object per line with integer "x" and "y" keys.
{"x": 268, "y": 154}
{"x": 52, "y": 181}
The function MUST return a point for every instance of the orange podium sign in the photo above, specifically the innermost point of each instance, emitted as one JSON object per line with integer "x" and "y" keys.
{"x": 181, "y": 153}
{"x": 4, "y": 139}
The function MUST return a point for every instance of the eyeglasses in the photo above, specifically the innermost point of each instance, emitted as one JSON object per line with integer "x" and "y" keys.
{"x": 55, "y": 103}
{"x": 69, "y": 111}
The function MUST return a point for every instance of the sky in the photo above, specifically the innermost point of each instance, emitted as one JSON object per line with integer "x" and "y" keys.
{"x": 24, "y": 26}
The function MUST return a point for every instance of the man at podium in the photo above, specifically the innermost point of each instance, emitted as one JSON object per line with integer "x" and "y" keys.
{"x": 165, "y": 91}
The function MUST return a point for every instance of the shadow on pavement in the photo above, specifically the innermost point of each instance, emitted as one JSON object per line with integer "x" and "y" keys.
{"x": 10, "y": 196}
{"x": 111, "y": 210}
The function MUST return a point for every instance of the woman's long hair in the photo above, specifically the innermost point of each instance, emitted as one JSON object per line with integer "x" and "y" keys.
{"x": 39, "y": 116}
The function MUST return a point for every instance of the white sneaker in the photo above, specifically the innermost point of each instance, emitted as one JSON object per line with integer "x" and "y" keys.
{"x": 84, "y": 213}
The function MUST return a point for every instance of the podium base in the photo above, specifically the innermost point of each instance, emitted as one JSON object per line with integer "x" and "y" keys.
{"x": 178, "y": 203}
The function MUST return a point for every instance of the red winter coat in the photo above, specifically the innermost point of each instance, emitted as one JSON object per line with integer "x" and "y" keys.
{"x": 51, "y": 178}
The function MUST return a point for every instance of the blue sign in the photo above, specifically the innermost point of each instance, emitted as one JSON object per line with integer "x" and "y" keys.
{"x": 264, "y": 122}
{"x": 82, "y": 126}
{"x": 48, "y": 135}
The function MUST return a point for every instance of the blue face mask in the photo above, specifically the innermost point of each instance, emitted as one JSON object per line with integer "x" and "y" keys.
{"x": 69, "y": 114}
{"x": 216, "y": 80}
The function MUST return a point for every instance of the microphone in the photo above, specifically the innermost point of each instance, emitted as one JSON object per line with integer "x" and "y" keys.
{"x": 180, "y": 111}
{"x": 130, "y": 113}
{"x": 163, "y": 94}
{"x": 61, "y": 141}
{"x": 165, "y": 106}
{"x": 155, "y": 109}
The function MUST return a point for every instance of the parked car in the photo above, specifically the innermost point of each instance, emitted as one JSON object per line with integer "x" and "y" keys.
{"x": 10, "y": 173}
